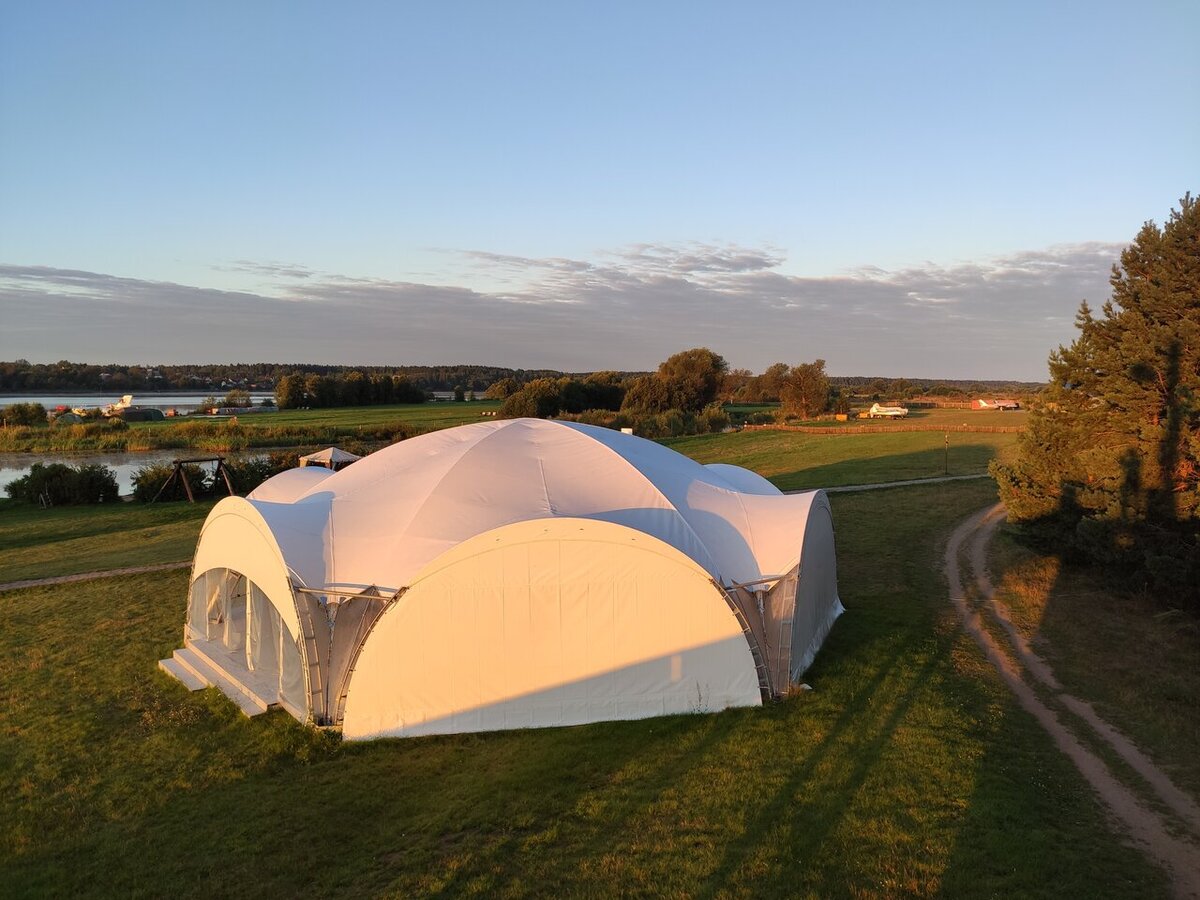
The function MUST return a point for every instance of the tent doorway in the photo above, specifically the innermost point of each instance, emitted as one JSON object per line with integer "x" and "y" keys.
{"x": 237, "y": 631}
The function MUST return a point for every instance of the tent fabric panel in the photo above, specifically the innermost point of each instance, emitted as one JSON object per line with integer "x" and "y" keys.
{"x": 817, "y": 603}
{"x": 744, "y": 480}
{"x": 399, "y": 508}
{"x": 289, "y": 485}
{"x": 262, "y": 632}
{"x": 236, "y": 537}
{"x": 577, "y": 621}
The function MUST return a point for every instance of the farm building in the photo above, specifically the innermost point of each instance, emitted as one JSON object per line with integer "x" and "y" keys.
{"x": 508, "y": 574}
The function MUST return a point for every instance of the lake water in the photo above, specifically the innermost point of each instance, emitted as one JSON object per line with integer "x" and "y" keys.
{"x": 124, "y": 465}
{"x": 184, "y": 402}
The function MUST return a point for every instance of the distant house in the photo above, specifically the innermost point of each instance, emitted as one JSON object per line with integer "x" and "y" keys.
{"x": 995, "y": 404}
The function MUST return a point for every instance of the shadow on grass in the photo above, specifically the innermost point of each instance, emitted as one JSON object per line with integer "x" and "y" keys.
{"x": 820, "y": 817}
{"x": 963, "y": 459}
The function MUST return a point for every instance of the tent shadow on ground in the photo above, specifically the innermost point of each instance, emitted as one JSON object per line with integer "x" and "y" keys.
{"x": 965, "y": 459}
{"x": 815, "y": 819}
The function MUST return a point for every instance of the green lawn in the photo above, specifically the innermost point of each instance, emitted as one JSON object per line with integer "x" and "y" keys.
{"x": 793, "y": 461}
{"x": 40, "y": 543}
{"x": 419, "y": 416}
{"x": 908, "y": 771}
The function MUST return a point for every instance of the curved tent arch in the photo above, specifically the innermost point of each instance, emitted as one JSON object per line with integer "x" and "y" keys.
{"x": 576, "y": 647}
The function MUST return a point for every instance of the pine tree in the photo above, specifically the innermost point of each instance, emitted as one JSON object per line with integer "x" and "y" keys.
{"x": 1110, "y": 462}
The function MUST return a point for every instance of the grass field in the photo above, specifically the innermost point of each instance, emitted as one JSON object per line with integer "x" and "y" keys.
{"x": 985, "y": 418}
{"x": 909, "y": 770}
{"x": 794, "y": 461}
{"x": 420, "y": 416}
{"x": 291, "y": 428}
{"x": 41, "y": 543}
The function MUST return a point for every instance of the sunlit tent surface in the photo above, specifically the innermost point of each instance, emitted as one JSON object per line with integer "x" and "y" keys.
{"x": 509, "y": 574}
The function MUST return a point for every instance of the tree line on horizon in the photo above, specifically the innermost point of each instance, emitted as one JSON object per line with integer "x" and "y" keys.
{"x": 738, "y": 385}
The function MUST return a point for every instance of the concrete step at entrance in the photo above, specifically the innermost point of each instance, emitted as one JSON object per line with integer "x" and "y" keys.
{"x": 202, "y": 664}
{"x": 181, "y": 659}
{"x": 181, "y": 673}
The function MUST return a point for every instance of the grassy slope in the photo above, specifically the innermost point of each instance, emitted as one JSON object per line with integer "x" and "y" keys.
{"x": 40, "y": 543}
{"x": 1139, "y": 663}
{"x": 935, "y": 418}
{"x": 908, "y": 769}
{"x": 794, "y": 461}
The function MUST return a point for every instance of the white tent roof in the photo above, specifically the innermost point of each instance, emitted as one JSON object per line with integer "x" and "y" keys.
{"x": 398, "y": 509}
{"x": 327, "y": 456}
{"x": 290, "y": 484}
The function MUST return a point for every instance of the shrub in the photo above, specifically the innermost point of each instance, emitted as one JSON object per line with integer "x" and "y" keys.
{"x": 23, "y": 414}
{"x": 59, "y": 485}
{"x": 712, "y": 420}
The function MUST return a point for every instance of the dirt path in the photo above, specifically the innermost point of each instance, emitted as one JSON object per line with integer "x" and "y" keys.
{"x": 1179, "y": 856}
{"x": 88, "y": 576}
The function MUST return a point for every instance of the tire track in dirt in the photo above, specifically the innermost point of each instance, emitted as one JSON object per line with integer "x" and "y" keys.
{"x": 1179, "y": 857}
{"x": 1179, "y": 802}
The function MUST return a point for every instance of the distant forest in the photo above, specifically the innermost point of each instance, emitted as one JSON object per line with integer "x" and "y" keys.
{"x": 22, "y": 376}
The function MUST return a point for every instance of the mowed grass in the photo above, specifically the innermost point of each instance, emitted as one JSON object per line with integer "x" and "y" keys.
{"x": 418, "y": 416}
{"x": 1137, "y": 662}
{"x": 794, "y": 461}
{"x": 908, "y": 770}
{"x": 42, "y": 543}
{"x": 931, "y": 418}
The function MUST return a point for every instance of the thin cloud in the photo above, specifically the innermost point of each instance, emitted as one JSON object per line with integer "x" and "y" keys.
{"x": 267, "y": 269}
{"x": 627, "y": 309}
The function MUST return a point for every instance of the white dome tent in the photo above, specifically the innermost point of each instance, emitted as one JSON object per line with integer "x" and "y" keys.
{"x": 508, "y": 574}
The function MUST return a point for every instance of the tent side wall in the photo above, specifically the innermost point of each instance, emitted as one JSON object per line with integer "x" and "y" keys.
{"x": 817, "y": 604}
{"x": 550, "y": 622}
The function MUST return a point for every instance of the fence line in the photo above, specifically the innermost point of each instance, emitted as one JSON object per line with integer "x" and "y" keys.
{"x": 881, "y": 429}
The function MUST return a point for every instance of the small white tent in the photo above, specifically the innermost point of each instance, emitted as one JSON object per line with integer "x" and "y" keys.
{"x": 509, "y": 574}
{"x": 330, "y": 458}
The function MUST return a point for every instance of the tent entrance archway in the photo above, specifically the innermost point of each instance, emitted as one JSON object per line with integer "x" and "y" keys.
{"x": 238, "y": 631}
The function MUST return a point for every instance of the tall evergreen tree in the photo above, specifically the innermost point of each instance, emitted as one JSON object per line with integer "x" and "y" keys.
{"x": 1110, "y": 462}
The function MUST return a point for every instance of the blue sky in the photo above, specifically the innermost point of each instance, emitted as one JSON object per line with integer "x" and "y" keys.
{"x": 903, "y": 189}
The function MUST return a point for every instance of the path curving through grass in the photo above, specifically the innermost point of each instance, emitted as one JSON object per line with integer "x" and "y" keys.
{"x": 1178, "y": 854}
